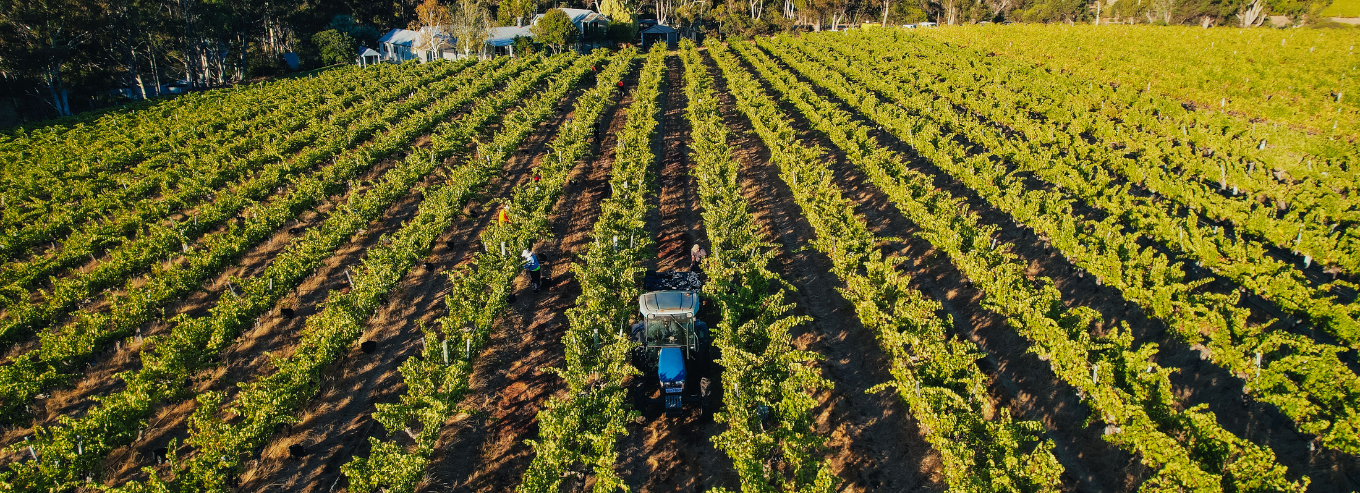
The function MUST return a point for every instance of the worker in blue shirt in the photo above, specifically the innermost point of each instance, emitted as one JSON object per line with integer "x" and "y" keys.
{"x": 534, "y": 268}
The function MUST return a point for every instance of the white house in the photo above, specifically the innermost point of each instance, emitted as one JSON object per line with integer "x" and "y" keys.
{"x": 501, "y": 40}
{"x": 427, "y": 44}
{"x": 590, "y": 23}
{"x": 368, "y": 57}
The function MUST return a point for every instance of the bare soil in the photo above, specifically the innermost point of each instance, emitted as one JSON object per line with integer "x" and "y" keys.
{"x": 1197, "y": 382}
{"x": 484, "y": 449}
{"x": 874, "y": 444}
{"x": 662, "y": 453}
{"x": 273, "y": 335}
{"x": 98, "y": 378}
{"x": 336, "y": 425}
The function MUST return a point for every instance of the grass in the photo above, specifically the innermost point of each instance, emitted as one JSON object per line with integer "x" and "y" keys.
{"x": 1342, "y": 8}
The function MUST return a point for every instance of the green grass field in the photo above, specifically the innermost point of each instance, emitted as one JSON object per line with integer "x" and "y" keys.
{"x": 1342, "y": 8}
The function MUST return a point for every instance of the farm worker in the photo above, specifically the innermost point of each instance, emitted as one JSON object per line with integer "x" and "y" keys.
{"x": 535, "y": 269}
{"x": 696, "y": 257}
{"x": 504, "y": 216}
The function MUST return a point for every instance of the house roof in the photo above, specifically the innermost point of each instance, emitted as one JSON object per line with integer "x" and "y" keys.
{"x": 505, "y": 36}
{"x": 400, "y": 37}
{"x": 407, "y": 37}
{"x": 659, "y": 29}
{"x": 367, "y": 52}
{"x": 578, "y": 16}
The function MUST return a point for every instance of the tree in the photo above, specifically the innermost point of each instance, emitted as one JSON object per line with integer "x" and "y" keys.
{"x": 1099, "y": 6}
{"x": 335, "y": 47}
{"x": 622, "y": 14}
{"x": 362, "y": 33}
{"x": 524, "y": 45}
{"x": 555, "y": 29}
{"x": 432, "y": 20}
{"x": 1250, "y": 15}
{"x": 756, "y": 8}
{"x": 40, "y": 37}
{"x": 469, "y": 27}
{"x": 622, "y": 32}
{"x": 516, "y": 12}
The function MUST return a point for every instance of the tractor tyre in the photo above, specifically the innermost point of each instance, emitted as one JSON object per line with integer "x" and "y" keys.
{"x": 638, "y": 357}
{"x": 640, "y": 400}
{"x": 706, "y": 398}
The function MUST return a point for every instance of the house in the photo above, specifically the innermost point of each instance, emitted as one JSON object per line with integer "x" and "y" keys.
{"x": 367, "y": 57}
{"x": 660, "y": 33}
{"x": 501, "y": 40}
{"x": 593, "y": 25}
{"x": 427, "y": 44}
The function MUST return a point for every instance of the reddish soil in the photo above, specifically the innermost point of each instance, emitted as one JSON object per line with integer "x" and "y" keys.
{"x": 1023, "y": 380}
{"x": 662, "y": 453}
{"x": 98, "y": 378}
{"x": 247, "y": 358}
{"x": 484, "y": 450}
{"x": 250, "y": 356}
{"x": 336, "y": 425}
{"x": 874, "y": 444}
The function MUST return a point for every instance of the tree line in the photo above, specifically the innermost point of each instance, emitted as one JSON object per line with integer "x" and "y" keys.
{"x": 59, "y": 57}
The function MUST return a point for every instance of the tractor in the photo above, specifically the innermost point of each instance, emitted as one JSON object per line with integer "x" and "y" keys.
{"x": 672, "y": 344}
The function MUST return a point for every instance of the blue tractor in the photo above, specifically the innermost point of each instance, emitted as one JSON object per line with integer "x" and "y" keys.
{"x": 673, "y": 344}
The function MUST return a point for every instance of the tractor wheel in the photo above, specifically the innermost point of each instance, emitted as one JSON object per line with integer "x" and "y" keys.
{"x": 640, "y": 400}
{"x": 706, "y": 397}
{"x": 706, "y": 359}
{"x": 639, "y": 357}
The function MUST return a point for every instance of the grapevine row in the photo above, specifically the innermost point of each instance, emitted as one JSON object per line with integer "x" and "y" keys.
{"x": 1242, "y": 260}
{"x": 583, "y": 427}
{"x": 194, "y": 344}
{"x": 264, "y": 405}
{"x": 85, "y": 198}
{"x": 124, "y": 216}
{"x": 1306, "y": 228}
{"x": 438, "y": 379}
{"x": 768, "y": 385}
{"x": 1281, "y": 75}
{"x": 1305, "y": 380}
{"x": 1308, "y": 172}
{"x": 1133, "y": 394}
{"x": 936, "y": 376}
{"x": 63, "y": 348}
{"x": 155, "y": 243}
{"x": 124, "y": 138}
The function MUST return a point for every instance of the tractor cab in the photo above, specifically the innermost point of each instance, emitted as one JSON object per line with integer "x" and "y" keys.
{"x": 672, "y": 342}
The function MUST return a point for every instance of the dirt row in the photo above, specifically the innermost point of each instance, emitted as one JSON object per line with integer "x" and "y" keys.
{"x": 483, "y": 449}
{"x": 662, "y": 453}
{"x": 249, "y": 357}
{"x": 98, "y": 377}
{"x": 874, "y": 443}
{"x": 99, "y": 301}
{"x": 336, "y": 425}
{"x": 1027, "y": 386}
{"x": 275, "y": 334}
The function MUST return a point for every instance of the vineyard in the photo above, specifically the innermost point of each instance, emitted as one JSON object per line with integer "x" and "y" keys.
{"x": 983, "y": 258}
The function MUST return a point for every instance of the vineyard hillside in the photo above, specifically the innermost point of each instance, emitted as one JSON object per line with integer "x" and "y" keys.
{"x": 1005, "y": 257}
